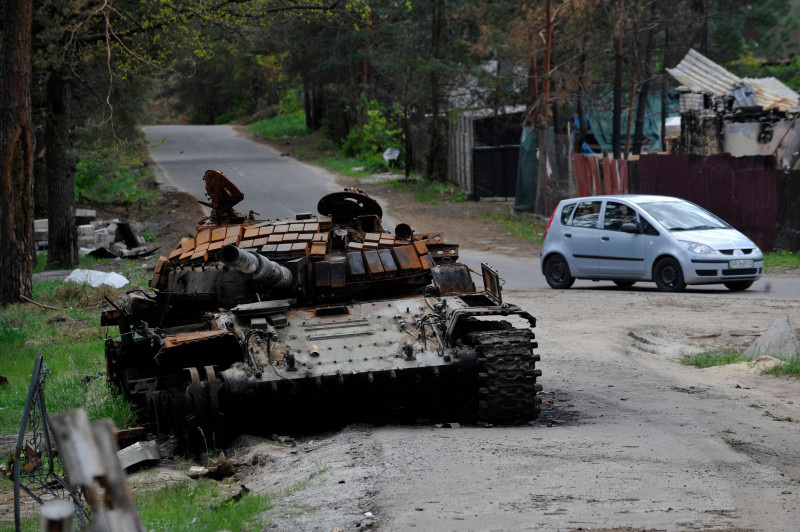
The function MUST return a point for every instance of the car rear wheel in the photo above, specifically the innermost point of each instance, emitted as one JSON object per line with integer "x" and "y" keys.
{"x": 624, "y": 284}
{"x": 738, "y": 286}
{"x": 668, "y": 275}
{"x": 556, "y": 271}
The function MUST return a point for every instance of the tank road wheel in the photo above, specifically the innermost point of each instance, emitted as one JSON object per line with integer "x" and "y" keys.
{"x": 556, "y": 272}
{"x": 668, "y": 275}
{"x": 506, "y": 376}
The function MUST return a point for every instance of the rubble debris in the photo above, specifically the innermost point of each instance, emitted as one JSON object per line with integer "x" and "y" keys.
{"x": 778, "y": 340}
{"x": 216, "y": 469}
{"x": 101, "y": 238}
{"x": 96, "y": 278}
{"x": 139, "y": 452}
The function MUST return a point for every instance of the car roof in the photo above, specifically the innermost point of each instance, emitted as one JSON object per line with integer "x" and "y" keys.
{"x": 633, "y": 198}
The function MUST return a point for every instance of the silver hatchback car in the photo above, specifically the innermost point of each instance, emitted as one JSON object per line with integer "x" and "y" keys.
{"x": 629, "y": 238}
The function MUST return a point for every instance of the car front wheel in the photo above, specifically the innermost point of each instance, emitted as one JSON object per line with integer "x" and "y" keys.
{"x": 556, "y": 271}
{"x": 668, "y": 275}
{"x": 738, "y": 286}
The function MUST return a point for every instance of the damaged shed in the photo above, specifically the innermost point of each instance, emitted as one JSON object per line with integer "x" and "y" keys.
{"x": 723, "y": 113}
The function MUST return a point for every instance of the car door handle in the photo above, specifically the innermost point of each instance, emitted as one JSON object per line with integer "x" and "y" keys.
{"x": 605, "y": 238}
{"x": 567, "y": 235}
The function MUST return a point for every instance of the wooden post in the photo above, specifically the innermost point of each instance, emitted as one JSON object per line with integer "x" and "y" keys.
{"x": 57, "y": 516}
{"x": 89, "y": 454}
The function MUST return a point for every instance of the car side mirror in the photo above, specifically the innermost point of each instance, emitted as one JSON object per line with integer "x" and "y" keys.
{"x": 629, "y": 228}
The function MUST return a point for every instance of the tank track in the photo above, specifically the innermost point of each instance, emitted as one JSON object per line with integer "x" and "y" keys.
{"x": 506, "y": 376}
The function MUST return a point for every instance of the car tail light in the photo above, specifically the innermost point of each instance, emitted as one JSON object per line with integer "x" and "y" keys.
{"x": 549, "y": 222}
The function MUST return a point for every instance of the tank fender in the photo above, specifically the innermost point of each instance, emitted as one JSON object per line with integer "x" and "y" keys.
{"x": 457, "y": 315}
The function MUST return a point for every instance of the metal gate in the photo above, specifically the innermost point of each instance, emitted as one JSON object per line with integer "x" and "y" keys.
{"x": 494, "y": 170}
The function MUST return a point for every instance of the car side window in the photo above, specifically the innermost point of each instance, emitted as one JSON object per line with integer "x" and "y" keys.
{"x": 566, "y": 211}
{"x": 617, "y": 214}
{"x": 587, "y": 214}
{"x": 648, "y": 229}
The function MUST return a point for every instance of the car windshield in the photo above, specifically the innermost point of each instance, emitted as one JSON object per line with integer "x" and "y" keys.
{"x": 682, "y": 216}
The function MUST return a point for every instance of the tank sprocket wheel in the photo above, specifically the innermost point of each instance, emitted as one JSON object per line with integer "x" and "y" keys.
{"x": 506, "y": 376}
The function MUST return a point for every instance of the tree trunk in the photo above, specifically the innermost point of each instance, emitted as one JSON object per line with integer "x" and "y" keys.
{"x": 580, "y": 102}
{"x": 664, "y": 92}
{"x": 641, "y": 108}
{"x": 16, "y": 153}
{"x": 62, "y": 238}
{"x": 617, "y": 112}
{"x": 434, "y": 129}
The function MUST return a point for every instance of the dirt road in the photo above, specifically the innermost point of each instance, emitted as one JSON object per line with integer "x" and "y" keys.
{"x": 628, "y": 436}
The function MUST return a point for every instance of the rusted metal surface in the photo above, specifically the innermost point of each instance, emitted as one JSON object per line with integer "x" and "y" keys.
{"x": 314, "y": 318}
{"x": 590, "y": 182}
{"x": 740, "y": 190}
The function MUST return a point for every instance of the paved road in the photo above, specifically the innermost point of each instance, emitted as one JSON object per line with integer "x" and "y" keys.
{"x": 274, "y": 186}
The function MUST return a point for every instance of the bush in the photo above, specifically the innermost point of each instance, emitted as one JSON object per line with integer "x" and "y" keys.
{"x": 371, "y": 137}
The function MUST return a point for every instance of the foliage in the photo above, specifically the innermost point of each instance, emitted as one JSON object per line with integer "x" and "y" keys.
{"x": 516, "y": 225}
{"x": 373, "y": 134}
{"x": 429, "y": 191}
{"x": 707, "y": 359}
{"x": 781, "y": 260}
{"x": 72, "y": 345}
{"x": 788, "y": 367}
{"x": 110, "y": 174}
{"x": 284, "y": 125}
{"x": 200, "y": 505}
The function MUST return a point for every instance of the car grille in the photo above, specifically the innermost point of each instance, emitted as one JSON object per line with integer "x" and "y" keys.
{"x": 740, "y": 271}
{"x": 745, "y": 251}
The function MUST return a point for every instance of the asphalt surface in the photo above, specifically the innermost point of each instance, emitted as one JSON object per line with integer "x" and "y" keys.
{"x": 274, "y": 186}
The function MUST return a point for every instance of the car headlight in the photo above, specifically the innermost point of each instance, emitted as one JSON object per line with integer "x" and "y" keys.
{"x": 696, "y": 247}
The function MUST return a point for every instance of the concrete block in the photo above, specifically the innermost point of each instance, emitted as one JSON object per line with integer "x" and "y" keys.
{"x": 779, "y": 340}
{"x": 86, "y": 229}
{"x": 85, "y": 216}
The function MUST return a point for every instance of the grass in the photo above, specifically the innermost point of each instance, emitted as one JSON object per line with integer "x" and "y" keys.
{"x": 781, "y": 260}
{"x": 72, "y": 344}
{"x": 111, "y": 175}
{"x": 199, "y": 505}
{"x": 518, "y": 226}
{"x": 284, "y": 125}
{"x": 789, "y": 367}
{"x": 429, "y": 191}
{"x": 707, "y": 359}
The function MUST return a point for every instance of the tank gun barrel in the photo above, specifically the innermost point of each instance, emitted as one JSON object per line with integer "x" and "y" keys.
{"x": 257, "y": 266}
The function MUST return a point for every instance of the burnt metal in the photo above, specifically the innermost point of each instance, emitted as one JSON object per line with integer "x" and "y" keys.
{"x": 264, "y": 325}
{"x": 38, "y": 470}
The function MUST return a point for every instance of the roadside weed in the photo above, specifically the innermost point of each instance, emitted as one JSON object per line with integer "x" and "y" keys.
{"x": 788, "y": 367}
{"x": 518, "y": 226}
{"x": 781, "y": 260}
{"x": 200, "y": 505}
{"x": 707, "y": 359}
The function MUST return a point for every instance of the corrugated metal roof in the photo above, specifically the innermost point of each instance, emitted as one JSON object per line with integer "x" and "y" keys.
{"x": 700, "y": 74}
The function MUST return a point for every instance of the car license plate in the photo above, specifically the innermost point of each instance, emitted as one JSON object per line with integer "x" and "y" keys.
{"x": 740, "y": 263}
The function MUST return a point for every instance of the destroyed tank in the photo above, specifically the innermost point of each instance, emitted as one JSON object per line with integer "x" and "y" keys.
{"x": 257, "y": 326}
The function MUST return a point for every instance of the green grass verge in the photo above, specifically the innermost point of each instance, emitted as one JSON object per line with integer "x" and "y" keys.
{"x": 789, "y": 367}
{"x": 781, "y": 260}
{"x": 429, "y": 191}
{"x": 72, "y": 344}
{"x": 707, "y": 359}
{"x": 112, "y": 175}
{"x": 518, "y": 226}
{"x": 200, "y": 505}
{"x": 291, "y": 125}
